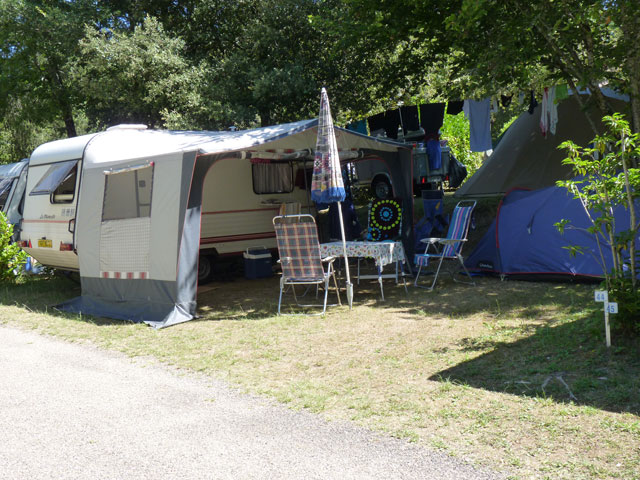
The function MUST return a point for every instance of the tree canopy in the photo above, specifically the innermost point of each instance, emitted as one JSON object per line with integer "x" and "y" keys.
{"x": 67, "y": 66}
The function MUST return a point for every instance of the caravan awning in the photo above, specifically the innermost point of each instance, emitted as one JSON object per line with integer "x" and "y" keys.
{"x": 5, "y": 184}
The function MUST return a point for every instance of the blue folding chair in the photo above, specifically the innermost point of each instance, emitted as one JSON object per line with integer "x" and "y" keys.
{"x": 450, "y": 247}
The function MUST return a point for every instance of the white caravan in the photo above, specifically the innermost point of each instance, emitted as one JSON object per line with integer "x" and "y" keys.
{"x": 240, "y": 198}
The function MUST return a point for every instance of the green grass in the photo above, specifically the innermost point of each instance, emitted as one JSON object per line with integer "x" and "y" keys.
{"x": 512, "y": 375}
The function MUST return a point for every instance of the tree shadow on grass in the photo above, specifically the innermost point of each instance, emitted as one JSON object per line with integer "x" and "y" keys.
{"x": 568, "y": 363}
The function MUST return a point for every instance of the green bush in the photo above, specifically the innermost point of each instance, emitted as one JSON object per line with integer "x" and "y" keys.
{"x": 607, "y": 177}
{"x": 627, "y": 321}
{"x": 455, "y": 130}
{"x": 12, "y": 257}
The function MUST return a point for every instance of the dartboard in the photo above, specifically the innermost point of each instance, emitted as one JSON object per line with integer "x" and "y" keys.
{"x": 385, "y": 219}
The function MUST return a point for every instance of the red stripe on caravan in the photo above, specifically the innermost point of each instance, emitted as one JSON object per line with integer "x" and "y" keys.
{"x": 143, "y": 275}
{"x": 105, "y": 274}
{"x": 117, "y": 274}
{"x": 129, "y": 275}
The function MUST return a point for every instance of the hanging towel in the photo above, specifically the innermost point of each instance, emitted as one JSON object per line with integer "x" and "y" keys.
{"x": 544, "y": 113}
{"x": 432, "y": 117}
{"x": 410, "y": 121}
{"x": 360, "y": 126}
{"x": 480, "y": 124}
{"x": 455, "y": 107}
{"x": 392, "y": 122}
{"x": 533, "y": 103}
{"x": 434, "y": 153}
{"x": 553, "y": 110}
{"x": 376, "y": 123}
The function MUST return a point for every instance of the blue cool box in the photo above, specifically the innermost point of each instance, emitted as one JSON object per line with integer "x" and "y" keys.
{"x": 257, "y": 263}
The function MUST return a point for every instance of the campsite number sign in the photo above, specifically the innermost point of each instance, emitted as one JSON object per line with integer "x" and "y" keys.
{"x": 609, "y": 307}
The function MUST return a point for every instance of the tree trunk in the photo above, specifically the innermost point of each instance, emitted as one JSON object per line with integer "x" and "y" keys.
{"x": 62, "y": 98}
{"x": 70, "y": 125}
{"x": 265, "y": 118}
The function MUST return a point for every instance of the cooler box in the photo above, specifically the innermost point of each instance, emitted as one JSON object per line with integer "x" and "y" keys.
{"x": 257, "y": 263}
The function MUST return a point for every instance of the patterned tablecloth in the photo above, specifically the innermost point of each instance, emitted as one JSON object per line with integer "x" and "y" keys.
{"x": 383, "y": 253}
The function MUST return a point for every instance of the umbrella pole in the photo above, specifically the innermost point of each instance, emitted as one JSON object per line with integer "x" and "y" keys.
{"x": 346, "y": 259}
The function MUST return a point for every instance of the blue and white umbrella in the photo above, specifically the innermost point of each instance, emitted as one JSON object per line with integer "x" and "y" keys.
{"x": 327, "y": 185}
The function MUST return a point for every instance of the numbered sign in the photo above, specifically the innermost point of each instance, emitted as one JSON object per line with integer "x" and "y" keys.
{"x": 602, "y": 296}
{"x": 612, "y": 307}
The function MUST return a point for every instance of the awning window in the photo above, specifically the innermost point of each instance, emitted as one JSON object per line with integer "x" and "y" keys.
{"x": 54, "y": 177}
{"x": 127, "y": 193}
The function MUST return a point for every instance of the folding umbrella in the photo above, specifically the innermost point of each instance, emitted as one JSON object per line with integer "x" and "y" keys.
{"x": 327, "y": 185}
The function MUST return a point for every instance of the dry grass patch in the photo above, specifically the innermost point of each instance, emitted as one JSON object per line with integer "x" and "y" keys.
{"x": 512, "y": 375}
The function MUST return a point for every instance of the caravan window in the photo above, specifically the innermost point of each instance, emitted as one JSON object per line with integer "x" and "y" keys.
{"x": 59, "y": 182}
{"x": 5, "y": 189}
{"x": 127, "y": 193}
{"x": 272, "y": 177}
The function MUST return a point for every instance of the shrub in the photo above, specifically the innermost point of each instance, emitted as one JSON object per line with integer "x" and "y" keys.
{"x": 12, "y": 257}
{"x": 608, "y": 177}
{"x": 456, "y": 130}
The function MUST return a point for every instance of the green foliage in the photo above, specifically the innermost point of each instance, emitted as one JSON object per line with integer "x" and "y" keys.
{"x": 627, "y": 321}
{"x": 136, "y": 77}
{"x": 491, "y": 46}
{"x": 12, "y": 257}
{"x": 455, "y": 130}
{"x": 608, "y": 180}
{"x": 38, "y": 40}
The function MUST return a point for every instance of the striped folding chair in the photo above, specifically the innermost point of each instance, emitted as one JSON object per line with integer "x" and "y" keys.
{"x": 299, "y": 250}
{"x": 449, "y": 248}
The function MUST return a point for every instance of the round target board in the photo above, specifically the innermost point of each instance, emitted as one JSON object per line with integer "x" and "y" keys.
{"x": 385, "y": 219}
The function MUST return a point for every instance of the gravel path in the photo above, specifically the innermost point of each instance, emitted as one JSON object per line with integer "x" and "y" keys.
{"x": 70, "y": 411}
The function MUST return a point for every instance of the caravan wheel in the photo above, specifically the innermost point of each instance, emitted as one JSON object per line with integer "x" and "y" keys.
{"x": 205, "y": 269}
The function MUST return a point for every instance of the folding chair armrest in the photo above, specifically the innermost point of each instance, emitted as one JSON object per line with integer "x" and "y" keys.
{"x": 329, "y": 259}
{"x": 283, "y": 260}
{"x": 430, "y": 240}
{"x": 451, "y": 241}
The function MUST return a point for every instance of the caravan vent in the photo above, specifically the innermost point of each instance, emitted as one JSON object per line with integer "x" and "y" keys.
{"x": 128, "y": 126}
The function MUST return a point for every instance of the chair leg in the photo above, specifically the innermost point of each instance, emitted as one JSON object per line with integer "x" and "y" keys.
{"x": 415, "y": 282}
{"x": 326, "y": 295}
{"x": 280, "y": 299}
{"x": 470, "y": 282}
{"x": 435, "y": 278}
{"x": 404, "y": 280}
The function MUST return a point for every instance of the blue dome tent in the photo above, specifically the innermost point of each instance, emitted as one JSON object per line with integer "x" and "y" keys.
{"x": 523, "y": 242}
